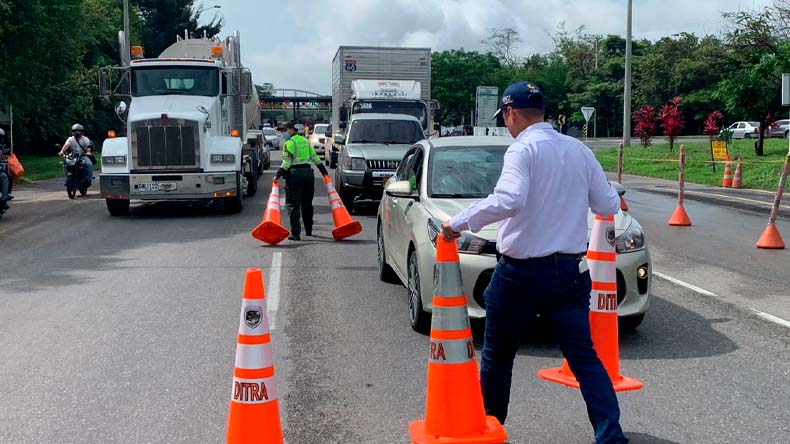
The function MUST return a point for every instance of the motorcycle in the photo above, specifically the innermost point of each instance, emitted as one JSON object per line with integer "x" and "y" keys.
{"x": 76, "y": 175}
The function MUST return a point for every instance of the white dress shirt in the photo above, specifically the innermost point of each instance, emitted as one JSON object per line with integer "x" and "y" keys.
{"x": 548, "y": 183}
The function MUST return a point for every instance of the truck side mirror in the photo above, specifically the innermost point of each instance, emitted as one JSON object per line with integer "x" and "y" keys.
{"x": 224, "y": 87}
{"x": 343, "y": 113}
{"x": 246, "y": 85}
{"x": 340, "y": 139}
{"x": 120, "y": 108}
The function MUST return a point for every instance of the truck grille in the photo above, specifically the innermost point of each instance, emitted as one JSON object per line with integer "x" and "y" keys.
{"x": 172, "y": 145}
{"x": 383, "y": 164}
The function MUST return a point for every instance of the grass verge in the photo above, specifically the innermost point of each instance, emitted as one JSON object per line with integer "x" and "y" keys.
{"x": 657, "y": 161}
{"x": 44, "y": 167}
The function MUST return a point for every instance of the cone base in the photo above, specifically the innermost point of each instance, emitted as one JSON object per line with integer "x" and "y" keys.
{"x": 347, "y": 230}
{"x": 493, "y": 434}
{"x": 270, "y": 232}
{"x": 680, "y": 218}
{"x": 558, "y": 376}
{"x": 771, "y": 239}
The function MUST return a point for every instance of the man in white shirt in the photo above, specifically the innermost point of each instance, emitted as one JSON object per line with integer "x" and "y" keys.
{"x": 547, "y": 184}
{"x": 81, "y": 145}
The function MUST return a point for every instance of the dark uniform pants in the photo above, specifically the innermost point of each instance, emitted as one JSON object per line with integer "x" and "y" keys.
{"x": 299, "y": 188}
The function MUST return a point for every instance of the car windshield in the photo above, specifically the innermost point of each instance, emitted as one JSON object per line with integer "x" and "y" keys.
{"x": 157, "y": 81}
{"x": 385, "y": 131}
{"x": 320, "y": 129}
{"x": 269, "y": 132}
{"x": 465, "y": 171}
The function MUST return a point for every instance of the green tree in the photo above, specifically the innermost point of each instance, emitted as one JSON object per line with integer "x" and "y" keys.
{"x": 504, "y": 44}
{"x": 163, "y": 20}
{"x": 455, "y": 76}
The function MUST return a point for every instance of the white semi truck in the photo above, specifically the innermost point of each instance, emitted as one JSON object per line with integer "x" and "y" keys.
{"x": 187, "y": 115}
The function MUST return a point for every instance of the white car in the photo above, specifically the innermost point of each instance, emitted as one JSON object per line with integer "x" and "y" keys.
{"x": 272, "y": 138}
{"x": 780, "y": 128}
{"x": 318, "y": 137}
{"x": 439, "y": 178}
{"x": 745, "y": 130}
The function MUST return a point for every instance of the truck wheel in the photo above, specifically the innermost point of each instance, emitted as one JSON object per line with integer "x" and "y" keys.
{"x": 252, "y": 183}
{"x": 234, "y": 205}
{"x": 118, "y": 207}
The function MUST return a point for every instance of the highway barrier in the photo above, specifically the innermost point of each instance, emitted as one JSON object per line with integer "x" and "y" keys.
{"x": 270, "y": 230}
{"x": 601, "y": 258}
{"x": 454, "y": 411}
{"x": 254, "y": 416}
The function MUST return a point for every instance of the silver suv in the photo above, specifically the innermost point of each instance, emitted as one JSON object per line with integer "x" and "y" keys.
{"x": 370, "y": 152}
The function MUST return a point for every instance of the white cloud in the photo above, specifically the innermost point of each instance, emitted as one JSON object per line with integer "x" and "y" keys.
{"x": 291, "y": 44}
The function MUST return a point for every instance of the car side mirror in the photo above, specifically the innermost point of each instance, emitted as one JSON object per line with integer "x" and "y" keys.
{"x": 401, "y": 188}
{"x": 340, "y": 139}
{"x": 618, "y": 187}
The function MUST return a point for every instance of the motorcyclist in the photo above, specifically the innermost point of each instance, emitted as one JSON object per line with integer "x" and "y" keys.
{"x": 82, "y": 146}
{"x": 6, "y": 182}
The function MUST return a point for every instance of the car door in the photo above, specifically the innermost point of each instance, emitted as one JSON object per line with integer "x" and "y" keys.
{"x": 401, "y": 230}
{"x": 388, "y": 208}
{"x": 741, "y": 131}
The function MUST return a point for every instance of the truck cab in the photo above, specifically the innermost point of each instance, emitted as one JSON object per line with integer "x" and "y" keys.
{"x": 370, "y": 151}
{"x": 188, "y": 122}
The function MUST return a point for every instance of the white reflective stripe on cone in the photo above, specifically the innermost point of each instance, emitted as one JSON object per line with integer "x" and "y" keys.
{"x": 602, "y": 272}
{"x": 337, "y": 205}
{"x": 254, "y": 356}
{"x": 254, "y": 391}
{"x": 450, "y": 318}
{"x": 330, "y": 187}
{"x": 447, "y": 279}
{"x": 452, "y": 352}
{"x": 253, "y": 320}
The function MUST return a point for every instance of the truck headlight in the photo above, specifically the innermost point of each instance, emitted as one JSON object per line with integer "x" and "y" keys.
{"x": 633, "y": 239}
{"x": 223, "y": 158}
{"x": 468, "y": 243}
{"x": 113, "y": 160}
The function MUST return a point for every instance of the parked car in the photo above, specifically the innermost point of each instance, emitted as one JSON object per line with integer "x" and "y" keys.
{"x": 272, "y": 138}
{"x": 780, "y": 128}
{"x": 745, "y": 130}
{"x": 318, "y": 137}
{"x": 439, "y": 178}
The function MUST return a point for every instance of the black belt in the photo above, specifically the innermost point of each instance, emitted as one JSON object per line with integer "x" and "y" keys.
{"x": 550, "y": 259}
{"x": 301, "y": 165}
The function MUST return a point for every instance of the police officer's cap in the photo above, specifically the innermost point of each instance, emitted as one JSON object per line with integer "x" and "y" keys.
{"x": 521, "y": 95}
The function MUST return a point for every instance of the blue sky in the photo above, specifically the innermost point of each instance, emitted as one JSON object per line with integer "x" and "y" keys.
{"x": 291, "y": 43}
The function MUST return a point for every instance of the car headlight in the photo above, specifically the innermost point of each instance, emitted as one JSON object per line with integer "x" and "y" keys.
{"x": 633, "y": 239}
{"x": 468, "y": 243}
{"x": 356, "y": 164}
{"x": 223, "y": 158}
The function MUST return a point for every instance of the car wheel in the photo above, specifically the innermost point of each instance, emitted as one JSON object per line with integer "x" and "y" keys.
{"x": 747, "y": 136}
{"x": 419, "y": 319}
{"x": 630, "y": 323}
{"x": 386, "y": 273}
{"x": 787, "y": 134}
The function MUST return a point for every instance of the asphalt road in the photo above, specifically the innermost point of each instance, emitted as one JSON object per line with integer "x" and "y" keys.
{"x": 122, "y": 330}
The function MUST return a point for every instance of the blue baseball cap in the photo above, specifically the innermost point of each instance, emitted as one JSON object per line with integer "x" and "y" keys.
{"x": 521, "y": 95}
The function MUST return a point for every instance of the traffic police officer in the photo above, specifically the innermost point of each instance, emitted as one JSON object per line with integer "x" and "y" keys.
{"x": 548, "y": 182}
{"x": 298, "y": 155}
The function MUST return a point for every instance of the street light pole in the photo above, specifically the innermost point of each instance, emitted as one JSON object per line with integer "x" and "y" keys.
{"x": 127, "y": 38}
{"x": 627, "y": 92}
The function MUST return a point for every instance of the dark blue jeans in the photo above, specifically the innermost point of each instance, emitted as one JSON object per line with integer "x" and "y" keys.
{"x": 556, "y": 290}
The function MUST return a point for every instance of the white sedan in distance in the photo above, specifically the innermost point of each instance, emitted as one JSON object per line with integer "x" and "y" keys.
{"x": 439, "y": 178}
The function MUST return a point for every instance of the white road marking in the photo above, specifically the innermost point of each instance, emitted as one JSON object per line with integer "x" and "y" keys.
{"x": 685, "y": 284}
{"x": 273, "y": 295}
{"x": 772, "y": 318}
{"x": 726, "y": 197}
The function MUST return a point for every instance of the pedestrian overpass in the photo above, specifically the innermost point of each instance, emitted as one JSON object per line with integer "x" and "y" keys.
{"x": 296, "y": 105}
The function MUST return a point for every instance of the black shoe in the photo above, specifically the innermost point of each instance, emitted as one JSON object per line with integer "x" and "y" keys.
{"x": 10, "y": 197}
{"x": 294, "y": 238}
{"x": 5, "y": 205}
{"x": 309, "y": 233}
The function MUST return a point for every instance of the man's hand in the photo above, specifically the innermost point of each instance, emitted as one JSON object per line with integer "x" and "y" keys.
{"x": 448, "y": 232}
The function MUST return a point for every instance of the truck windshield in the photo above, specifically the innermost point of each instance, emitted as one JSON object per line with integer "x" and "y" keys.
{"x": 416, "y": 109}
{"x": 385, "y": 131}
{"x": 191, "y": 81}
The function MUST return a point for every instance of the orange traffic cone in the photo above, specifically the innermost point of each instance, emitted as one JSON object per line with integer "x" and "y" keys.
{"x": 601, "y": 257}
{"x": 454, "y": 410}
{"x": 737, "y": 182}
{"x": 727, "y": 181}
{"x": 254, "y": 416}
{"x": 344, "y": 225}
{"x": 680, "y": 218}
{"x": 270, "y": 230}
{"x": 771, "y": 239}
{"x": 623, "y": 205}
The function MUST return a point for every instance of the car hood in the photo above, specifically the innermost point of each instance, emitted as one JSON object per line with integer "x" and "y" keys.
{"x": 444, "y": 209}
{"x": 376, "y": 151}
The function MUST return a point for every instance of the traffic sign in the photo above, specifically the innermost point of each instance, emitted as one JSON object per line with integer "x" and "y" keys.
{"x": 718, "y": 149}
{"x": 587, "y": 111}
{"x": 486, "y": 104}
{"x": 785, "y": 89}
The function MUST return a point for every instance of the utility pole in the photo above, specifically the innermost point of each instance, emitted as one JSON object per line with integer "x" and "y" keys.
{"x": 627, "y": 92}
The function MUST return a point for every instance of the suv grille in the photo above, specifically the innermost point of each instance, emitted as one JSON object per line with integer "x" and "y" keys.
{"x": 159, "y": 147}
{"x": 383, "y": 164}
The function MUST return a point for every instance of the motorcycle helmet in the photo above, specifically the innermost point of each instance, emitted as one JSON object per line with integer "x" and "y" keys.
{"x": 77, "y": 127}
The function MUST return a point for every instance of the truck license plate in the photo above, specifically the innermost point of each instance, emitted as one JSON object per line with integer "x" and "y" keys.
{"x": 157, "y": 186}
{"x": 383, "y": 173}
